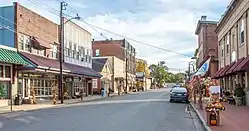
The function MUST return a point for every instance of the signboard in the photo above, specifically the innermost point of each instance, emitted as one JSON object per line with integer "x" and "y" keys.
{"x": 139, "y": 74}
{"x": 95, "y": 83}
{"x": 214, "y": 89}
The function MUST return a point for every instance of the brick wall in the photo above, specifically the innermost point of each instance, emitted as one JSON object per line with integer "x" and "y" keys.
{"x": 109, "y": 48}
{"x": 33, "y": 24}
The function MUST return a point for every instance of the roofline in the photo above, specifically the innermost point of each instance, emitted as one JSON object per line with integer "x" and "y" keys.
{"x": 225, "y": 15}
{"x": 8, "y": 48}
{"x": 74, "y": 24}
{"x": 201, "y": 22}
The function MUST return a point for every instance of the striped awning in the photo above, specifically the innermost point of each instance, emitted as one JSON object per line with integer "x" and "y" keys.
{"x": 11, "y": 56}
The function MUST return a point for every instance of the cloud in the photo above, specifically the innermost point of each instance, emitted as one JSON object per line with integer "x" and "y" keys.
{"x": 168, "y": 24}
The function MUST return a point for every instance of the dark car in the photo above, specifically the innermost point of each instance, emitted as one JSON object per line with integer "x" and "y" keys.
{"x": 179, "y": 94}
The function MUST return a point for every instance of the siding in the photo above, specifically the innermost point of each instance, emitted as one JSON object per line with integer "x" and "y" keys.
{"x": 7, "y": 37}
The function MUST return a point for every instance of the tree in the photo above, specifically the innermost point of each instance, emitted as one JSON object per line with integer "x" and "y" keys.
{"x": 141, "y": 66}
{"x": 160, "y": 73}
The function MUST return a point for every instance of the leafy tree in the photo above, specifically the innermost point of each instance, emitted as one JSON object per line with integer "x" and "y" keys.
{"x": 160, "y": 73}
{"x": 141, "y": 66}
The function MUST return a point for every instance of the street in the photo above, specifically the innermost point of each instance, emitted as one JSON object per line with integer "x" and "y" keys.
{"x": 146, "y": 111}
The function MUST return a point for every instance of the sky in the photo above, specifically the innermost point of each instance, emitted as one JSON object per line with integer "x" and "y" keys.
{"x": 167, "y": 24}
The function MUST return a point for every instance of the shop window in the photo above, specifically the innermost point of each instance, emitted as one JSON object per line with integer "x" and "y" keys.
{"x": 1, "y": 70}
{"x": 7, "y": 71}
{"x": 4, "y": 90}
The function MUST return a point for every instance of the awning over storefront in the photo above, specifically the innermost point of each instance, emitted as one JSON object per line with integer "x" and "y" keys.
{"x": 52, "y": 64}
{"x": 223, "y": 73}
{"x": 40, "y": 43}
{"x": 244, "y": 65}
{"x": 11, "y": 56}
{"x": 231, "y": 70}
{"x": 216, "y": 75}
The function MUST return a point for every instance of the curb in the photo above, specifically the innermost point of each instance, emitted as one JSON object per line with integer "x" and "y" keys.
{"x": 204, "y": 123}
{"x": 57, "y": 106}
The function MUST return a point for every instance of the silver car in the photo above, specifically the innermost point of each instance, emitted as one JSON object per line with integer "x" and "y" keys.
{"x": 179, "y": 94}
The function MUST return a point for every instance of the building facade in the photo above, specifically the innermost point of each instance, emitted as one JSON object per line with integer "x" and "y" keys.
{"x": 37, "y": 40}
{"x": 123, "y": 50}
{"x": 207, "y": 44}
{"x": 142, "y": 75}
{"x": 233, "y": 46}
{"x": 113, "y": 73}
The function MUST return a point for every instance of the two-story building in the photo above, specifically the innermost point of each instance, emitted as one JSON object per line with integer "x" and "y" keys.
{"x": 112, "y": 70}
{"x": 37, "y": 39}
{"x": 233, "y": 37}
{"x": 123, "y": 50}
{"x": 207, "y": 44}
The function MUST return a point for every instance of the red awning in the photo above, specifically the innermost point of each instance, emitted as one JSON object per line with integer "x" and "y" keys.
{"x": 231, "y": 70}
{"x": 40, "y": 43}
{"x": 52, "y": 64}
{"x": 216, "y": 75}
{"x": 244, "y": 65}
{"x": 223, "y": 73}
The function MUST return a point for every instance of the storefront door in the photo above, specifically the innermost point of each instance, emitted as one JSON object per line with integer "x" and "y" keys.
{"x": 4, "y": 93}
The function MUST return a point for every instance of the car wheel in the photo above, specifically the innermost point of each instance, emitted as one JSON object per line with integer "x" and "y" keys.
{"x": 187, "y": 102}
{"x": 170, "y": 101}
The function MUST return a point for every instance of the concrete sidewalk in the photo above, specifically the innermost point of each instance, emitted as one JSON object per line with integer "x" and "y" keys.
{"x": 48, "y": 104}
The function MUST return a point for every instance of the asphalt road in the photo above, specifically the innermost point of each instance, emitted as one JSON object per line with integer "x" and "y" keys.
{"x": 147, "y": 111}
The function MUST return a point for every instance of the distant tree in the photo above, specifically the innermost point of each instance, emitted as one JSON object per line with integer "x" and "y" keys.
{"x": 160, "y": 73}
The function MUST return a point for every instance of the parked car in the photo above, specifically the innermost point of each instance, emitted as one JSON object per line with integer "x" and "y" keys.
{"x": 179, "y": 94}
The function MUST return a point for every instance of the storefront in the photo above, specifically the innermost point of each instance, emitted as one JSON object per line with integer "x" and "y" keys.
{"x": 40, "y": 82}
{"x": 9, "y": 61}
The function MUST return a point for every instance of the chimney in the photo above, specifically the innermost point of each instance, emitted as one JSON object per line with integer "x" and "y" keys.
{"x": 203, "y": 18}
{"x": 93, "y": 40}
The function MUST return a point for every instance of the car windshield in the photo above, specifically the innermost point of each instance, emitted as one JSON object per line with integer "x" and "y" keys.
{"x": 180, "y": 89}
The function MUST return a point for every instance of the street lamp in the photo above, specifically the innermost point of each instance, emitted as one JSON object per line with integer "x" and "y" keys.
{"x": 63, "y": 7}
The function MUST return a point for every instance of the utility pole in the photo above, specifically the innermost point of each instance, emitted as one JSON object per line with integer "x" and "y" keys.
{"x": 126, "y": 73}
{"x": 61, "y": 39}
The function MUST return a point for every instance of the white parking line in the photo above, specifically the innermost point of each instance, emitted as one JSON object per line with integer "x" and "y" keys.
{"x": 23, "y": 120}
{"x": 1, "y": 125}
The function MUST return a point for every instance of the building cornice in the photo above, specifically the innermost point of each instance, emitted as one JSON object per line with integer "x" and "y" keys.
{"x": 201, "y": 22}
{"x": 226, "y": 14}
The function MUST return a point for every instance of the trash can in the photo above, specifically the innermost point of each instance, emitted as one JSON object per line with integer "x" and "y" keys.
{"x": 18, "y": 100}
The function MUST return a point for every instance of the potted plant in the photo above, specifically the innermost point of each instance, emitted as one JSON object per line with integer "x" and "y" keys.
{"x": 238, "y": 95}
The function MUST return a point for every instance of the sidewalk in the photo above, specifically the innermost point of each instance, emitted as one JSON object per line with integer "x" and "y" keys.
{"x": 234, "y": 118}
{"x": 48, "y": 104}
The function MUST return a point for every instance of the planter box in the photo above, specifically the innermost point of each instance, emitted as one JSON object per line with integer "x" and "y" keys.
{"x": 3, "y": 103}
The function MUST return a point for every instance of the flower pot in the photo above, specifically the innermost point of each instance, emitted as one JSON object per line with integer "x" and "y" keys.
{"x": 238, "y": 101}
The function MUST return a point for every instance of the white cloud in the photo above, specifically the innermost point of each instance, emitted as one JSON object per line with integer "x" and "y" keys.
{"x": 168, "y": 24}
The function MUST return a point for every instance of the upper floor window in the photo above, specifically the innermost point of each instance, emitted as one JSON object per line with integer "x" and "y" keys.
{"x": 227, "y": 43}
{"x": 97, "y": 52}
{"x": 233, "y": 41}
{"x": 242, "y": 31}
{"x": 24, "y": 42}
{"x": 222, "y": 49}
{"x": 53, "y": 53}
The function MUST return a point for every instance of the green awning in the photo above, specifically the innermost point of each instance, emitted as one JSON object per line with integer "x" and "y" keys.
{"x": 11, "y": 56}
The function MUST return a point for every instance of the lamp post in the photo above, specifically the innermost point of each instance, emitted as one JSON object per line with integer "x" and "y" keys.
{"x": 61, "y": 39}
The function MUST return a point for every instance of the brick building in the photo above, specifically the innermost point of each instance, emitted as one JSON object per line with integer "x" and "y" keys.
{"x": 37, "y": 40}
{"x": 207, "y": 44}
{"x": 123, "y": 50}
{"x": 233, "y": 46}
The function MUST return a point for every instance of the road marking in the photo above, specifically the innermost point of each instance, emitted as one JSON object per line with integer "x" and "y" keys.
{"x": 11, "y": 115}
{"x": 1, "y": 125}
{"x": 33, "y": 118}
{"x": 23, "y": 120}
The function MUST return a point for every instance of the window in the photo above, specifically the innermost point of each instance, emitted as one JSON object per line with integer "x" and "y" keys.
{"x": 53, "y": 53}
{"x": 97, "y": 52}
{"x": 1, "y": 70}
{"x": 4, "y": 90}
{"x": 7, "y": 71}
{"x": 242, "y": 31}
{"x": 233, "y": 41}
{"x": 222, "y": 49}
{"x": 227, "y": 43}
{"x": 27, "y": 44}
{"x": 43, "y": 87}
{"x": 20, "y": 42}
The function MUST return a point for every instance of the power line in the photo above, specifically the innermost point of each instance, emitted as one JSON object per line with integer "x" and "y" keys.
{"x": 117, "y": 34}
